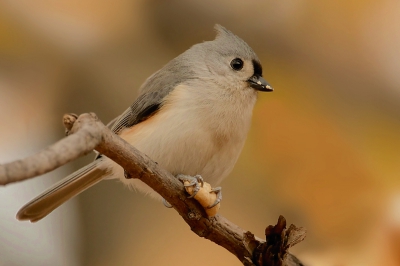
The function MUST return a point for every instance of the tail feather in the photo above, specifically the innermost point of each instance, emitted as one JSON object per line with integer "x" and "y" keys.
{"x": 64, "y": 190}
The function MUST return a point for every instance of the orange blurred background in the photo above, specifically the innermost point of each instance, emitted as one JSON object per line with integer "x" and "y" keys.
{"x": 323, "y": 150}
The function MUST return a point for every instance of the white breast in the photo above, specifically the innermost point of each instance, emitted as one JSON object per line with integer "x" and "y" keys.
{"x": 197, "y": 131}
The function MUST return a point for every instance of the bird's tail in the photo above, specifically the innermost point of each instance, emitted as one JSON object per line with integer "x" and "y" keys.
{"x": 64, "y": 190}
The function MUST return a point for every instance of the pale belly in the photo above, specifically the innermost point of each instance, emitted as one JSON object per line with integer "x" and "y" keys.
{"x": 191, "y": 151}
{"x": 184, "y": 140}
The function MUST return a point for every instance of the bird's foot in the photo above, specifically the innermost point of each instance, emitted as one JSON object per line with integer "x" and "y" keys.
{"x": 218, "y": 192}
{"x": 166, "y": 203}
{"x": 208, "y": 197}
{"x": 196, "y": 182}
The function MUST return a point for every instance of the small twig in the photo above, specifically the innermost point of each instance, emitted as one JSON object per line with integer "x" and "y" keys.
{"x": 88, "y": 133}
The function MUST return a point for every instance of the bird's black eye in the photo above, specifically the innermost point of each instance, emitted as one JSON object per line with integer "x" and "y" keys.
{"x": 237, "y": 64}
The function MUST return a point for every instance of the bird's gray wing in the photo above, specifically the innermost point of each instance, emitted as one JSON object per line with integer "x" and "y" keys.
{"x": 153, "y": 92}
{"x": 146, "y": 105}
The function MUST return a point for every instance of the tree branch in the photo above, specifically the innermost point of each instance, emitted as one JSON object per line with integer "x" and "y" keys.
{"x": 88, "y": 133}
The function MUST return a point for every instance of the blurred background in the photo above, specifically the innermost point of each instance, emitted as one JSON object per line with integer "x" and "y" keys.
{"x": 323, "y": 150}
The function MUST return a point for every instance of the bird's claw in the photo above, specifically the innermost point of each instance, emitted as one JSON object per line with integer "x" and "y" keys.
{"x": 218, "y": 191}
{"x": 207, "y": 196}
{"x": 166, "y": 203}
{"x": 194, "y": 181}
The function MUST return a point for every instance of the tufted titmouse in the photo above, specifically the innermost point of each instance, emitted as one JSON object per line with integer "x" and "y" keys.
{"x": 191, "y": 117}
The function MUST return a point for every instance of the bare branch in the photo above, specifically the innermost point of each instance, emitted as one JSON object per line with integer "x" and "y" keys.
{"x": 88, "y": 133}
{"x": 87, "y": 137}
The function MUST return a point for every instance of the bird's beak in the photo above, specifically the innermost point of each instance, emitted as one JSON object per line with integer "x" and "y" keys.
{"x": 259, "y": 83}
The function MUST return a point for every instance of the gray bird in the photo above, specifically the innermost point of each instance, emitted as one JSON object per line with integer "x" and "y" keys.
{"x": 192, "y": 117}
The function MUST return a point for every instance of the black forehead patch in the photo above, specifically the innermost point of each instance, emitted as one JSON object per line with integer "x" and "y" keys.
{"x": 257, "y": 68}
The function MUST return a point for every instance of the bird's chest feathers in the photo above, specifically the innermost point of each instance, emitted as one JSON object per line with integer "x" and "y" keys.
{"x": 224, "y": 116}
{"x": 195, "y": 133}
